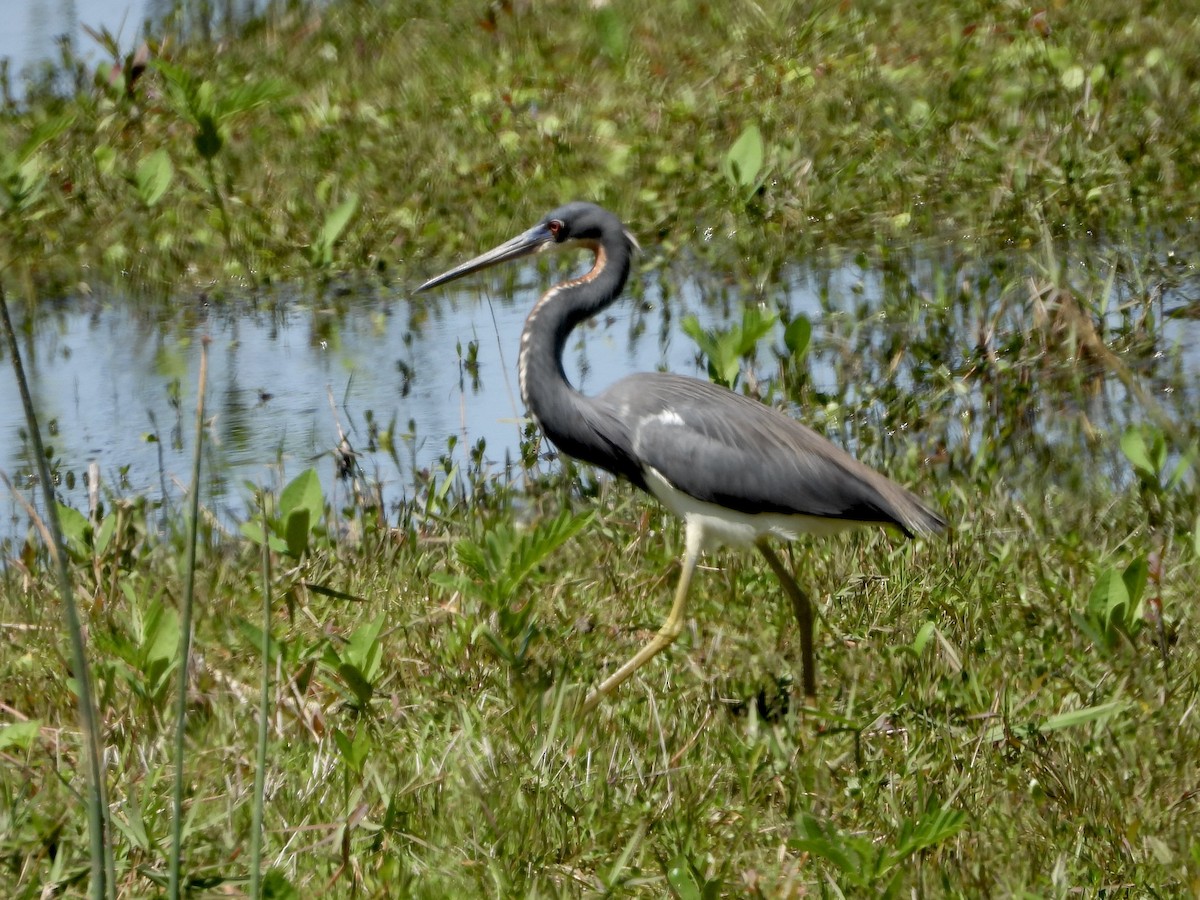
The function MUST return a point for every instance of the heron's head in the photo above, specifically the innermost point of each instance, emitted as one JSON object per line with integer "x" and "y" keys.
{"x": 576, "y": 224}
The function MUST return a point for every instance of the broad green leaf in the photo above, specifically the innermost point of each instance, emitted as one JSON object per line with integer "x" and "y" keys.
{"x": 19, "y": 734}
{"x": 1091, "y": 628}
{"x": 797, "y": 335}
{"x": 757, "y": 323}
{"x": 1135, "y": 576}
{"x": 208, "y": 138}
{"x": 1073, "y": 78}
{"x": 364, "y": 649}
{"x": 362, "y": 688}
{"x": 254, "y": 531}
{"x": 354, "y": 751}
{"x": 250, "y": 95}
{"x": 613, "y": 29}
{"x": 160, "y": 634}
{"x": 682, "y": 879}
{"x": 296, "y": 531}
{"x": 1133, "y": 445}
{"x": 744, "y": 160}
{"x": 1108, "y": 594}
{"x": 1196, "y": 537}
{"x": 303, "y": 492}
{"x": 704, "y": 339}
{"x": 75, "y": 527}
{"x": 153, "y": 177}
{"x": 849, "y": 854}
{"x": 105, "y": 158}
{"x": 253, "y": 636}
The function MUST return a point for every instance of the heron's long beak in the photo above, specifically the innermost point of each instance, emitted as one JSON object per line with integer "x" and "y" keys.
{"x": 536, "y": 238}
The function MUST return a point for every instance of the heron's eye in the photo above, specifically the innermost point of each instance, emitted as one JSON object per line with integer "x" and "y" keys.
{"x": 556, "y": 228}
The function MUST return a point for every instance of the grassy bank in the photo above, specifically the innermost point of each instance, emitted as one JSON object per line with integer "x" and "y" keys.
{"x": 419, "y": 128}
{"x": 1009, "y": 711}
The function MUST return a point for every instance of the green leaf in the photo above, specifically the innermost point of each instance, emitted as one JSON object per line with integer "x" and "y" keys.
{"x": 682, "y": 879}
{"x": 296, "y": 532}
{"x": 336, "y": 221}
{"x": 356, "y": 751}
{"x": 1184, "y": 466}
{"x": 1196, "y": 537}
{"x": 275, "y": 886}
{"x": 44, "y": 132}
{"x": 208, "y": 138}
{"x": 20, "y": 735}
{"x": 797, "y": 336}
{"x": 923, "y": 637}
{"x": 757, "y": 323}
{"x": 613, "y": 29}
{"x": 249, "y": 95}
{"x": 104, "y": 534}
{"x": 704, "y": 339}
{"x": 361, "y": 687}
{"x": 849, "y": 854}
{"x": 1108, "y": 595}
{"x": 1133, "y": 445}
{"x": 1135, "y": 576}
{"x": 1073, "y": 78}
{"x": 744, "y": 160}
{"x": 303, "y": 492}
{"x": 159, "y": 648}
{"x": 75, "y": 530}
{"x": 1091, "y": 629}
{"x": 160, "y": 634}
{"x": 930, "y": 829}
{"x": 364, "y": 649}
{"x": 253, "y": 636}
{"x": 254, "y": 531}
{"x": 153, "y": 177}
{"x": 1083, "y": 716}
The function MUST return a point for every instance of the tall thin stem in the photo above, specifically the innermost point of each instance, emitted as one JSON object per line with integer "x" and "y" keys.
{"x": 185, "y": 634}
{"x": 264, "y": 697}
{"x": 103, "y": 866}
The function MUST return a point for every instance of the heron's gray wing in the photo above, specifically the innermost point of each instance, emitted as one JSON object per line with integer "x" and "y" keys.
{"x": 726, "y": 449}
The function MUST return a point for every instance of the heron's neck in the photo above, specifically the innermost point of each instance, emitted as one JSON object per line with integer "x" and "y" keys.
{"x": 544, "y": 386}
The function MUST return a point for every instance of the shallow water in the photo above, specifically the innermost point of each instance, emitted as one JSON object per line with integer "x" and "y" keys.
{"x": 115, "y": 384}
{"x": 34, "y": 29}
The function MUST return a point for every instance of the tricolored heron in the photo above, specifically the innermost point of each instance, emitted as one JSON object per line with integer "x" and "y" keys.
{"x": 736, "y": 471}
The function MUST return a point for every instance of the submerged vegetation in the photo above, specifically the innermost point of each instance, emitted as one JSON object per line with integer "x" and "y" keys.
{"x": 1010, "y": 711}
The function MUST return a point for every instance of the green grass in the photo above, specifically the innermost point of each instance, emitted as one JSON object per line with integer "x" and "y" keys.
{"x": 459, "y": 773}
{"x": 1001, "y": 711}
{"x": 419, "y": 130}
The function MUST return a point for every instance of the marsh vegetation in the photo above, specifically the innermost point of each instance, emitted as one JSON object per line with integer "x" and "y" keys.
{"x": 994, "y": 206}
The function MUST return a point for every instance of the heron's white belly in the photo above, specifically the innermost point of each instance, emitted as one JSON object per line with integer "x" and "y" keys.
{"x": 721, "y": 526}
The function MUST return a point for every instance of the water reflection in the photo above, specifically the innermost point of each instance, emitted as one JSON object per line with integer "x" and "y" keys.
{"x": 34, "y": 29}
{"x": 115, "y": 383}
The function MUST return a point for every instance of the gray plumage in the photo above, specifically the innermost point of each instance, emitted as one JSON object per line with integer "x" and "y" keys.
{"x": 735, "y": 452}
{"x": 736, "y": 470}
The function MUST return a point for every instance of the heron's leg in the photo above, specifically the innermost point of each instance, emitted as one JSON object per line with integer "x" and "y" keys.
{"x": 802, "y": 607}
{"x": 670, "y": 629}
